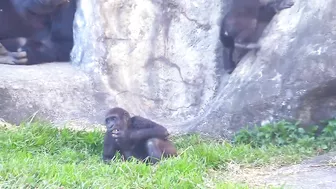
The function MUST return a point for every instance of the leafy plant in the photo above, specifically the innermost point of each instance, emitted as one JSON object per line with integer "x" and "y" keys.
{"x": 285, "y": 133}
{"x": 327, "y": 139}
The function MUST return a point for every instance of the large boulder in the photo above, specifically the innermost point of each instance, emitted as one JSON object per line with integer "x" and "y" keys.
{"x": 55, "y": 92}
{"x": 292, "y": 77}
{"x": 163, "y": 60}
{"x": 157, "y": 58}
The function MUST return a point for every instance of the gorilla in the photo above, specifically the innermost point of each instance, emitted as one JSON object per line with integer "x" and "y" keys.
{"x": 135, "y": 137}
{"x": 239, "y": 25}
{"x": 46, "y": 26}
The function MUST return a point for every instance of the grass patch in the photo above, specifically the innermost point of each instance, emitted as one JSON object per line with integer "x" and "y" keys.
{"x": 38, "y": 155}
{"x": 285, "y": 133}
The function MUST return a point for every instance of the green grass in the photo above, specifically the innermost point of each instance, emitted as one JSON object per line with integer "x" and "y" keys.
{"x": 41, "y": 156}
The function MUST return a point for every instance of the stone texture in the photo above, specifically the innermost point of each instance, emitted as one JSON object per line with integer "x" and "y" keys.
{"x": 159, "y": 57}
{"x": 294, "y": 79}
{"x": 315, "y": 173}
{"x": 57, "y": 92}
{"x": 163, "y": 60}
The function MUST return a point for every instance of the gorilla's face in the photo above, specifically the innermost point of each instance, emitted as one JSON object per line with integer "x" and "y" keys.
{"x": 117, "y": 120}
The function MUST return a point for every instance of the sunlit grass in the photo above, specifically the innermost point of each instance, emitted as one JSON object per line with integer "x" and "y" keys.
{"x": 41, "y": 156}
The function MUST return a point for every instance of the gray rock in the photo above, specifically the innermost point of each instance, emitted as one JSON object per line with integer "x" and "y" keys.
{"x": 157, "y": 58}
{"x": 57, "y": 92}
{"x": 313, "y": 173}
{"x": 318, "y": 172}
{"x": 292, "y": 77}
{"x": 163, "y": 60}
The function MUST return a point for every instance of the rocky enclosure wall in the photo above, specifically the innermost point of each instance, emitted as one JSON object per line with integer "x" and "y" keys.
{"x": 159, "y": 57}
{"x": 163, "y": 60}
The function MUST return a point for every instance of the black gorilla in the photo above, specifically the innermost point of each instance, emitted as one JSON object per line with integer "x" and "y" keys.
{"x": 47, "y": 26}
{"x": 135, "y": 137}
{"x": 239, "y": 25}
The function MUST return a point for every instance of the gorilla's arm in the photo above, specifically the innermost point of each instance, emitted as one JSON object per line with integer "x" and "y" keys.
{"x": 110, "y": 147}
{"x": 46, "y": 51}
{"x": 38, "y": 7}
{"x": 37, "y": 12}
{"x": 143, "y": 128}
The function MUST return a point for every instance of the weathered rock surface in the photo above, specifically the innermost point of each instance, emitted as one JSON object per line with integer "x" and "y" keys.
{"x": 314, "y": 173}
{"x": 163, "y": 60}
{"x": 57, "y": 92}
{"x": 292, "y": 77}
{"x": 159, "y": 57}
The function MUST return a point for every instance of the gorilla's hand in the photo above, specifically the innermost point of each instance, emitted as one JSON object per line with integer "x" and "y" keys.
{"x": 121, "y": 134}
{"x": 7, "y": 57}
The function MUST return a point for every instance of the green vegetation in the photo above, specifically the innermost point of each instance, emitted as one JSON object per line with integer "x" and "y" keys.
{"x": 37, "y": 155}
{"x": 285, "y": 133}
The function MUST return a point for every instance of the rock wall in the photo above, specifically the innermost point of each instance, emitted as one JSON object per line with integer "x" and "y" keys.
{"x": 163, "y": 60}
{"x": 55, "y": 92}
{"x": 292, "y": 77}
{"x": 159, "y": 57}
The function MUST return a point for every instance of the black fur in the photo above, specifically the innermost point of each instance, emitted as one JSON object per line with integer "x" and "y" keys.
{"x": 47, "y": 26}
{"x": 239, "y": 25}
{"x": 135, "y": 137}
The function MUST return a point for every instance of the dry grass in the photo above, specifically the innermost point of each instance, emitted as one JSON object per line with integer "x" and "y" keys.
{"x": 6, "y": 125}
{"x": 255, "y": 177}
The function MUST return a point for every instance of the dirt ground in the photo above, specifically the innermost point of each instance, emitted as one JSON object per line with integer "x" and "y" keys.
{"x": 315, "y": 173}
